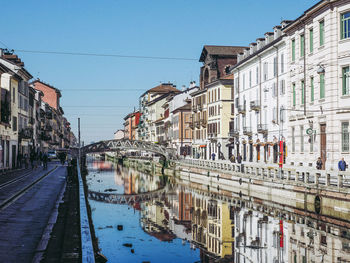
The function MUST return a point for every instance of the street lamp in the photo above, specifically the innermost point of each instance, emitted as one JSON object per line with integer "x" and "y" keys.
{"x": 219, "y": 152}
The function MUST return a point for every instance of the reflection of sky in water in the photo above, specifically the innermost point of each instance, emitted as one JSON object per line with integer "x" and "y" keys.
{"x": 118, "y": 179}
{"x": 147, "y": 248}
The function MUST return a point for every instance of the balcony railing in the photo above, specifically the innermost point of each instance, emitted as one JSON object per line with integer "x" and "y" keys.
{"x": 199, "y": 107}
{"x": 262, "y": 128}
{"x": 194, "y": 108}
{"x": 233, "y": 133}
{"x": 247, "y": 131}
{"x": 191, "y": 125}
{"x": 241, "y": 109}
{"x": 26, "y": 133}
{"x": 197, "y": 124}
{"x": 255, "y": 105}
{"x": 203, "y": 122}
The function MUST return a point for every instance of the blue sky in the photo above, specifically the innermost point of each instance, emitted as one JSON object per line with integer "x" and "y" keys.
{"x": 161, "y": 28}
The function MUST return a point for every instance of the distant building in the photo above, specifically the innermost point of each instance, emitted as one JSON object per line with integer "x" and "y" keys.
{"x": 119, "y": 134}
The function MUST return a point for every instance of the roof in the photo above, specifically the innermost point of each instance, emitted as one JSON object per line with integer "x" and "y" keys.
{"x": 228, "y": 76}
{"x": 162, "y": 88}
{"x": 186, "y": 107}
{"x": 220, "y": 50}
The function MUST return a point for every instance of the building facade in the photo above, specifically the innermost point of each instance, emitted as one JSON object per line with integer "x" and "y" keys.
{"x": 318, "y": 43}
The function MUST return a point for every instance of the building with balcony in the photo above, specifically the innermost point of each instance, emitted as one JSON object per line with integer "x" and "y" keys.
{"x": 17, "y": 135}
{"x": 151, "y": 103}
{"x": 261, "y": 100}
{"x": 217, "y": 62}
{"x": 318, "y": 44}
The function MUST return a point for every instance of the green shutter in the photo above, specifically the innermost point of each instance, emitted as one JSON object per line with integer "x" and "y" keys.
{"x": 294, "y": 95}
{"x": 312, "y": 89}
{"x": 302, "y": 41}
{"x": 321, "y": 33}
{"x": 293, "y": 50}
{"x": 322, "y": 91}
{"x": 302, "y": 92}
{"x": 345, "y": 89}
{"x": 311, "y": 40}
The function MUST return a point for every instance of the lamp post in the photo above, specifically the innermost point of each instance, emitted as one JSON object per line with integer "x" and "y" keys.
{"x": 219, "y": 152}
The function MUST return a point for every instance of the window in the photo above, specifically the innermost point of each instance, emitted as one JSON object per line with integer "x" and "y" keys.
{"x": 265, "y": 70}
{"x": 322, "y": 91}
{"x": 302, "y": 46}
{"x": 321, "y": 33}
{"x": 293, "y": 139}
{"x": 14, "y": 123}
{"x": 257, "y": 75}
{"x": 345, "y": 81}
{"x": 311, "y": 44}
{"x": 345, "y": 26}
{"x": 275, "y": 66}
{"x": 250, "y": 79}
{"x": 232, "y": 109}
{"x": 294, "y": 95}
{"x": 302, "y": 92}
{"x": 14, "y": 95}
{"x": 345, "y": 137}
{"x": 311, "y": 141}
{"x": 293, "y": 50}
{"x": 282, "y": 88}
{"x": 301, "y": 139}
{"x": 243, "y": 82}
{"x": 312, "y": 89}
{"x": 282, "y": 63}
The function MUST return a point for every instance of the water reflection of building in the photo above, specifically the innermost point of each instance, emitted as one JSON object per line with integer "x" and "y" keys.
{"x": 319, "y": 243}
{"x": 213, "y": 227}
{"x": 260, "y": 238}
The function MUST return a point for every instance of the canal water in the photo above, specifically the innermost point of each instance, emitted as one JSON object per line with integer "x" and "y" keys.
{"x": 140, "y": 217}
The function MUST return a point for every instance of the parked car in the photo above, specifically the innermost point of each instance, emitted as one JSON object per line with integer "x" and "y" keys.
{"x": 51, "y": 154}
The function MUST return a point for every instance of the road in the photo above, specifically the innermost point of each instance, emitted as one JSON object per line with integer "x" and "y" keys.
{"x": 23, "y": 220}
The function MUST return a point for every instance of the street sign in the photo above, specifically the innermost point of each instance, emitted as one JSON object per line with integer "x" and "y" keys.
{"x": 309, "y": 131}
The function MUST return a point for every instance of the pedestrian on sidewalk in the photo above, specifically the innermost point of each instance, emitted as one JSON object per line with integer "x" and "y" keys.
{"x": 185, "y": 154}
{"x": 32, "y": 159}
{"x": 213, "y": 156}
{"x": 26, "y": 161}
{"x": 45, "y": 159}
{"x": 232, "y": 158}
{"x": 342, "y": 165}
{"x": 319, "y": 163}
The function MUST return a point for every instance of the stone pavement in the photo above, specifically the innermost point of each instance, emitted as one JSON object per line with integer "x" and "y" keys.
{"x": 23, "y": 222}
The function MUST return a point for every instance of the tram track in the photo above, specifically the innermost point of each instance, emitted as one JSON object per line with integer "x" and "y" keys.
{"x": 3, "y": 185}
{"x": 8, "y": 201}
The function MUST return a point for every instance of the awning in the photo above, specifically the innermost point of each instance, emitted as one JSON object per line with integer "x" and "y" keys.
{"x": 202, "y": 146}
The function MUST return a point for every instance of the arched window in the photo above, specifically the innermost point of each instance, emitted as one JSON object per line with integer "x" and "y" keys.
{"x": 206, "y": 77}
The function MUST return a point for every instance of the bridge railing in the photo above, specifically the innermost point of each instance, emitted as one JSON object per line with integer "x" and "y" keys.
{"x": 87, "y": 250}
{"x": 305, "y": 175}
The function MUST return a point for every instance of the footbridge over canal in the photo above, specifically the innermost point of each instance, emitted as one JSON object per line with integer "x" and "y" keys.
{"x": 125, "y": 144}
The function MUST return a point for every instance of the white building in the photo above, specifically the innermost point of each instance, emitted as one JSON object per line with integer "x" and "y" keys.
{"x": 151, "y": 110}
{"x": 319, "y": 53}
{"x": 260, "y": 78}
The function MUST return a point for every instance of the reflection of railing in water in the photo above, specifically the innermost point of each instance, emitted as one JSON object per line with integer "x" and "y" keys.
{"x": 127, "y": 199}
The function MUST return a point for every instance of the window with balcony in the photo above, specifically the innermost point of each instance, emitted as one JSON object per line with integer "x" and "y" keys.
{"x": 345, "y": 25}
{"x": 321, "y": 27}
{"x": 345, "y": 81}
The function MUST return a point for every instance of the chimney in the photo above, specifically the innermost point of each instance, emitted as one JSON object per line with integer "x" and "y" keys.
{"x": 246, "y": 52}
{"x": 239, "y": 57}
{"x": 268, "y": 37}
{"x": 277, "y": 32}
{"x": 285, "y": 23}
{"x": 183, "y": 87}
{"x": 260, "y": 43}
{"x": 192, "y": 84}
{"x": 252, "y": 47}
{"x": 1, "y": 52}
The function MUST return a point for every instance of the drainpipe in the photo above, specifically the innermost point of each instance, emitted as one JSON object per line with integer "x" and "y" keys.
{"x": 260, "y": 96}
{"x": 304, "y": 97}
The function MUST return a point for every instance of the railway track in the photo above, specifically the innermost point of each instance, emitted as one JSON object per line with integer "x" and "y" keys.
{"x": 14, "y": 196}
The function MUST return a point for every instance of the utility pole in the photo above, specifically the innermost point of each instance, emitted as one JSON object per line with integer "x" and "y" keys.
{"x": 79, "y": 139}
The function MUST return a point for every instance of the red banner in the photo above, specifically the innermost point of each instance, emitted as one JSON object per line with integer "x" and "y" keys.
{"x": 281, "y": 154}
{"x": 281, "y": 233}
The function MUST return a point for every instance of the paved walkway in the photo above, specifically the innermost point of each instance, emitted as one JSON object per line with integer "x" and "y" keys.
{"x": 22, "y": 223}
